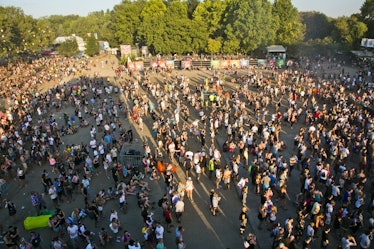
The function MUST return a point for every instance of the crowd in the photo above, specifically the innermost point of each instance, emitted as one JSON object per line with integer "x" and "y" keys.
{"x": 333, "y": 150}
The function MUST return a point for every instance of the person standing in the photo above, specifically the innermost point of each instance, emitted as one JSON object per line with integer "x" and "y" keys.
{"x": 325, "y": 238}
{"x": 243, "y": 220}
{"x": 11, "y": 209}
{"x": 168, "y": 218}
{"x": 179, "y": 234}
{"x": 227, "y": 177}
{"x": 250, "y": 241}
{"x": 159, "y": 231}
{"x": 211, "y": 167}
{"x": 189, "y": 188}
{"x": 348, "y": 241}
{"x": 218, "y": 178}
{"x": 36, "y": 203}
{"x": 73, "y": 234}
{"x": 52, "y": 192}
{"x": 365, "y": 240}
{"x": 21, "y": 177}
{"x": 215, "y": 201}
{"x": 179, "y": 209}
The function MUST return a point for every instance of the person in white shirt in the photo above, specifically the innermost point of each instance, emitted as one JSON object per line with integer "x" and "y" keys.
{"x": 179, "y": 209}
{"x": 73, "y": 234}
{"x": 159, "y": 231}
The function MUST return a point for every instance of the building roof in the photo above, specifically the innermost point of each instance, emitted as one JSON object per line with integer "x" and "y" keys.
{"x": 276, "y": 49}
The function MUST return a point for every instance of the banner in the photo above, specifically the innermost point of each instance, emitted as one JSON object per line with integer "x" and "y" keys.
{"x": 187, "y": 64}
{"x": 280, "y": 63}
{"x": 215, "y": 64}
{"x": 162, "y": 64}
{"x": 262, "y": 63}
{"x": 367, "y": 43}
{"x": 125, "y": 50}
{"x": 271, "y": 63}
{"x": 131, "y": 65}
{"x": 170, "y": 64}
{"x": 225, "y": 63}
{"x": 244, "y": 63}
{"x": 235, "y": 63}
{"x": 154, "y": 64}
{"x": 139, "y": 65}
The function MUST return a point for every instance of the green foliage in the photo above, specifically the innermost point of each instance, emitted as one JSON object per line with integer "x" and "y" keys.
{"x": 21, "y": 34}
{"x": 290, "y": 30}
{"x": 152, "y": 27}
{"x": 326, "y": 46}
{"x": 68, "y": 48}
{"x": 367, "y": 17}
{"x": 185, "y": 26}
{"x": 250, "y": 23}
{"x": 92, "y": 46}
{"x": 126, "y": 21}
{"x": 317, "y": 25}
{"x": 349, "y": 30}
{"x": 209, "y": 14}
{"x": 214, "y": 46}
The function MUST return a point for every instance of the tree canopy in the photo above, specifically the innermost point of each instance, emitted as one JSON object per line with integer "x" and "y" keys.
{"x": 185, "y": 26}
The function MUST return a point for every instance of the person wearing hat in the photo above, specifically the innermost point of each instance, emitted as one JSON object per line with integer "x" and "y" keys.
{"x": 243, "y": 219}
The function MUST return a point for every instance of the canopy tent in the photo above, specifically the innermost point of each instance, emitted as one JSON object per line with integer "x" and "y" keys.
{"x": 276, "y": 49}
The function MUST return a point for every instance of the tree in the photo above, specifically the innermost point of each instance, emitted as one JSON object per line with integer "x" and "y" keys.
{"x": 92, "y": 46}
{"x": 367, "y": 16}
{"x": 317, "y": 25}
{"x": 191, "y": 5}
{"x": 68, "y": 48}
{"x": 290, "y": 30}
{"x": 250, "y": 23}
{"x": 152, "y": 25}
{"x": 349, "y": 31}
{"x": 126, "y": 21}
{"x": 176, "y": 36}
{"x": 214, "y": 46}
{"x": 210, "y": 14}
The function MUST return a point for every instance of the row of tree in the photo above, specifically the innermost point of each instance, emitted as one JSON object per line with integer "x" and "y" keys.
{"x": 186, "y": 26}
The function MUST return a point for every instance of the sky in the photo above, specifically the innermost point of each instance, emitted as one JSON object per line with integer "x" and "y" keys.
{"x": 42, "y": 8}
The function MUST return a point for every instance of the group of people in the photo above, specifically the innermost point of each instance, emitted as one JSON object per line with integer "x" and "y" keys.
{"x": 333, "y": 147}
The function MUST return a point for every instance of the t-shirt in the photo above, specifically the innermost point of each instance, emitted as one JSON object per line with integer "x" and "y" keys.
{"x": 73, "y": 231}
{"x": 52, "y": 193}
{"x": 159, "y": 232}
{"x": 179, "y": 206}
